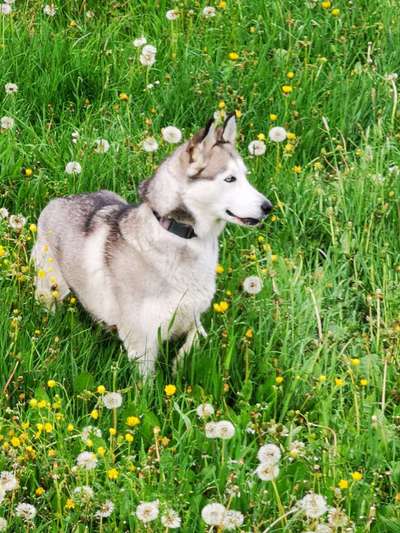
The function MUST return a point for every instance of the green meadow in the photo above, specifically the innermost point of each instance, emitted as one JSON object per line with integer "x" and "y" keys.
{"x": 309, "y": 364}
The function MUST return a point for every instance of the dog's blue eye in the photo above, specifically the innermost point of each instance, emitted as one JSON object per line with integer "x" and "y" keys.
{"x": 230, "y": 179}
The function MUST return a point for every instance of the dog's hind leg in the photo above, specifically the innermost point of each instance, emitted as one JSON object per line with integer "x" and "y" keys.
{"x": 49, "y": 281}
{"x": 140, "y": 348}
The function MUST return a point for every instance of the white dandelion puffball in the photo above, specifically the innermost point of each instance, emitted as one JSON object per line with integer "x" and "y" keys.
{"x": 11, "y": 88}
{"x": 87, "y": 460}
{"x": 148, "y": 55}
{"x": 257, "y": 148}
{"x": 171, "y": 519}
{"x": 5, "y": 9}
{"x": 3, "y": 524}
{"x": 313, "y": 505}
{"x": 50, "y": 10}
{"x": 112, "y": 400}
{"x": 171, "y": 135}
{"x": 6, "y": 123}
{"x": 269, "y": 454}
{"x": 213, "y": 514}
{"x": 211, "y": 430}
{"x": 225, "y": 429}
{"x": 277, "y": 134}
{"x": 267, "y": 471}
{"x": 3, "y": 212}
{"x": 209, "y": 12}
{"x": 85, "y": 492}
{"x": 204, "y": 410}
{"x": 17, "y": 222}
{"x": 337, "y": 518}
{"x": 26, "y": 511}
{"x": 252, "y": 285}
{"x": 102, "y": 146}
{"x": 8, "y": 481}
{"x": 105, "y": 510}
{"x": 323, "y": 528}
{"x": 140, "y": 41}
{"x": 232, "y": 519}
{"x": 75, "y": 136}
{"x": 73, "y": 167}
{"x": 172, "y": 14}
{"x": 147, "y": 511}
{"x": 150, "y": 144}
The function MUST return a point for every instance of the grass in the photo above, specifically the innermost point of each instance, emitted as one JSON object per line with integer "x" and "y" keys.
{"x": 313, "y": 357}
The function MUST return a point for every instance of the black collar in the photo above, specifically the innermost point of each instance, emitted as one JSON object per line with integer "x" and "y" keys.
{"x": 185, "y": 231}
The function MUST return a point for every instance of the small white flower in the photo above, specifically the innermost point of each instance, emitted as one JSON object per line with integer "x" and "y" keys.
{"x": 102, "y": 146}
{"x": 11, "y": 88}
{"x": 257, "y": 148}
{"x": 211, "y": 430}
{"x": 232, "y": 519}
{"x": 5, "y": 9}
{"x": 147, "y": 511}
{"x": 50, "y": 10}
{"x": 204, "y": 410}
{"x": 140, "y": 41}
{"x": 297, "y": 448}
{"x": 85, "y": 492}
{"x": 269, "y": 454}
{"x": 150, "y": 144}
{"x": 89, "y": 431}
{"x": 3, "y": 524}
{"x": 252, "y": 285}
{"x": 313, "y": 505}
{"x": 17, "y": 222}
{"x": 172, "y": 14}
{"x": 26, "y": 511}
{"x": 3, "y": 212}
{"x": 112, "y": 400}
{"x": 171, "y": 134}
{"x": 87, "y": 460}
{"x": 209, "y": 11}
{"x": 277, "y": 134}
{"x": 6, "y": 123}
{"x": 267, "y": 471}
{"x": 73, "y": 167}
{"x": 225, "y": 429}
{"x": 213, "y": 514}
{"x": 105, "y": 510}
{"x": 75, "y": 136}
{"x": 8, "y": 481}
{"x": 171, "y": 519}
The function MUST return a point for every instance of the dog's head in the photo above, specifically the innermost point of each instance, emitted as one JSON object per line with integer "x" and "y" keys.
{"x": 207, "y": 176}
{"x": 217, "y": 177}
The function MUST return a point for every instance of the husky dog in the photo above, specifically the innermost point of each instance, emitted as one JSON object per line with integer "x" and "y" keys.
{"x": 149, "y": 269}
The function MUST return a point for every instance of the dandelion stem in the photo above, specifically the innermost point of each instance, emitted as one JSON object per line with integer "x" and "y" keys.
{"x": 279, "y": 519}
{"x": 279, "y": 503}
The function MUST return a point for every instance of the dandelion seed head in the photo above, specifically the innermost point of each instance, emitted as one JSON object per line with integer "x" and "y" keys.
{"x": 147, "y": 511}
{"x": 257, "y": 148}
{"x": 213, "y": 514}
{"x": 171, "y": 134}
{"x": 252, "y": 285}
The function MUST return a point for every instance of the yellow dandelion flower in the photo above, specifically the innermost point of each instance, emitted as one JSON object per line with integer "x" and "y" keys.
{"x": 101, "y": 389}
{"x": 123, "y": 96}
{"x": 128, "y": 437}
{"x": 72, "y": 300}
{"x": 133, "y": 421}
{"x": 89, "y": 443}
{"x": 222, "y": 4}
{"x": 343, "y": 484}
{"x": 355, "y": 361}
{"x": 170, "y": 390}
{"x": 363, "y": 382}
{"x": 287, "y": 89}
{"x": 94, "y": 414}
{"x": 27, "y": 172}
{"x": 25, "y": 425}
{"x": 112, "y": 431}
{"x": 233, "y": 56}
{"x": 33, "y": 402}
{"x": 33, "y": 228}
{"x": 357, "y": 476}
{"x": 51, "y": 453}
{"x": 69, "y": 504}
{"x": 16, "y": 442}
{"x": 273, "y": 117}
{"x": 238, "y": 113}
{"x": 339, "y": 382}
{"x": 51, "y": 383}
{"x": 326, "y": 4}
{"x": 274, "y": 258}
{"x": 297, "y": 169}
{"x": 112, "y": 473}
{"x": 70, "y": 428}
{"x": 101, "y": 451}
{"x": 278, "y": 380}
{"x": 223, "y": 306}
{"x": 291, "y": 136}
{"x": 335, "y": 12}
{"x": 48, "y": 427}
{"x": 274, "y": 218}
{"x": 261, "y": 137}
{"x": 322, "y": 378}
{"x": 39, "y": 491}
{"x": 290, "y": 75}
{"x": 219, "y": 269}
{"x": 221, "y": 104}
{"x": 249, "y": 333}
{"x": 2, "y": 251}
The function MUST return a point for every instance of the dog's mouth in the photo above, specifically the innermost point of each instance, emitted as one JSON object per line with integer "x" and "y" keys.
{"x": 246, "y": 221}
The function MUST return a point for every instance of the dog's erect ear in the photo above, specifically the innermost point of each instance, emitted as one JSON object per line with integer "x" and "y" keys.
{"x": 229, "y": 129}
{"x": 200, "y": 144}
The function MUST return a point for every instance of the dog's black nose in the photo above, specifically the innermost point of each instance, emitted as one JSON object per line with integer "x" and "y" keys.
{"x": 266, "y": 207}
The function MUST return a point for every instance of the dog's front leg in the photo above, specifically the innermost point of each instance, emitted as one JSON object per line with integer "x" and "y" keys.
{"x": 140, "y": 348}
{"x": 191, "y": 340}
